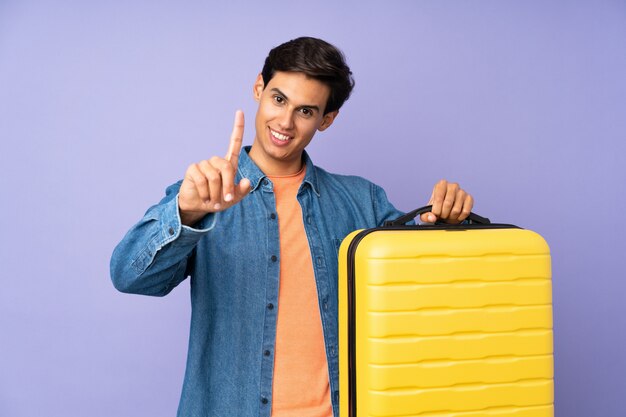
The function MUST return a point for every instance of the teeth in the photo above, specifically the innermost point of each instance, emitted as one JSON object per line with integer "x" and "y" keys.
{"x": 279, "y": 136}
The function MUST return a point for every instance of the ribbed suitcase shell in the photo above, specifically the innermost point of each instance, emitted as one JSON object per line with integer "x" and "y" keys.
{"x": 446, "y": 323}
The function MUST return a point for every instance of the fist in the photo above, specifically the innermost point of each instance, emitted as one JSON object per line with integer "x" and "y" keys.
{"x": 450, "y": 203}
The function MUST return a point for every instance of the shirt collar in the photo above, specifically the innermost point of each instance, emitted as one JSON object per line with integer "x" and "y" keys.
{"x": 248, "y": 169}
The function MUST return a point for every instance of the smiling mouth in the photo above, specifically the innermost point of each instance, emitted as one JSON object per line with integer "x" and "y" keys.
{"x": 279, "y": 136}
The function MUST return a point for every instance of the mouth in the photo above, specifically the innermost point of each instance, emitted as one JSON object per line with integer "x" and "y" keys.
{"x": 279, "y": 138}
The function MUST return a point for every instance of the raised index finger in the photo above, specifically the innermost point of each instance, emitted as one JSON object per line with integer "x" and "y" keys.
{"x": 236, "y": 138}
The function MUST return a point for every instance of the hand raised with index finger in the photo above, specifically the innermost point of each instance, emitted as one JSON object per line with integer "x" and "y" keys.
{"x": 209, "y": 185}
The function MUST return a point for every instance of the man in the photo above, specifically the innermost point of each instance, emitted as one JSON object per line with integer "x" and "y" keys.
{"x": 258, "y": 232}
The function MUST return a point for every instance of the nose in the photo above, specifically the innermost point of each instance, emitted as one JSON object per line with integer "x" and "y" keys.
{"x": 285, "y": 119}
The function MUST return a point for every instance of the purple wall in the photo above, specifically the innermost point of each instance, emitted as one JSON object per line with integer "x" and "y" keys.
{"x": 104, "y": 104}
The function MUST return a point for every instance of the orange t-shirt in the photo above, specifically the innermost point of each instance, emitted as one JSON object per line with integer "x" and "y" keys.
{"x": 300, "y": 385}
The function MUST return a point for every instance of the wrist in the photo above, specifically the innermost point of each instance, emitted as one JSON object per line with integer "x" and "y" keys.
{"x": 190, "y": 218}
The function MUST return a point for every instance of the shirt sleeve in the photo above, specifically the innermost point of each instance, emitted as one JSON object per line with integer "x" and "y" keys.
{"x": 156, "y": 253}
{"x": 383, "y": 209}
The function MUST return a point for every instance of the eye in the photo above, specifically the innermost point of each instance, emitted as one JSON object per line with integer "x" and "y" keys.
{"x": 279, "y": 99}
{"x": 306, "y": 112}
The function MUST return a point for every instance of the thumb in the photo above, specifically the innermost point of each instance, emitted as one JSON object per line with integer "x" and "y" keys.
{"x": 428, "y": 217}
{"x": 242, "y": 189}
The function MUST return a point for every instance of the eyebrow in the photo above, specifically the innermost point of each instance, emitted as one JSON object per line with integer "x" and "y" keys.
{"x": 310, "y": 106}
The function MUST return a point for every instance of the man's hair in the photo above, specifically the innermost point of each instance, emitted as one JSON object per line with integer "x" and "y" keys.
{"x": 316, "y": 59}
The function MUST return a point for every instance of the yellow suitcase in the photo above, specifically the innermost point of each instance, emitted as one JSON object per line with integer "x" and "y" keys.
{"x": 445, "y": 321}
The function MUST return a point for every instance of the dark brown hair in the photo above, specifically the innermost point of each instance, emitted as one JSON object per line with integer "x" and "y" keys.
{"x": 316, "y": 59}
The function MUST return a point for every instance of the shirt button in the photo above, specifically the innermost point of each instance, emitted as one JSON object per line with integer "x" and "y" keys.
{"x": 274, "y": 258}
{"x": 171, "y": 231}
{"x": 273, "y": 216}
{"x": 265, "y": 181}
{"x": 266, "y": 353}
{"x": 270, "y": 306}
{"x": 264, "y": 400}
{"x": 325, "y": 306}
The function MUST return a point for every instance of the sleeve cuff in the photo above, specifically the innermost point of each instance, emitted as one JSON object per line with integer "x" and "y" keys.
{"x": 173, "y": 229}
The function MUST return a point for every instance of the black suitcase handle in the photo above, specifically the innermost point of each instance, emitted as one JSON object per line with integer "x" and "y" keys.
{"x": 473, "y": 218}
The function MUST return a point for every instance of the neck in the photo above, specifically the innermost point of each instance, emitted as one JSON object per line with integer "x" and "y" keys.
{"x": 272, "y": 167}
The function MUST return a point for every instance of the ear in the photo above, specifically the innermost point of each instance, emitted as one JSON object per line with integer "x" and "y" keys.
{"x": 328, "y": 120}
{"x": 258, "y": 87}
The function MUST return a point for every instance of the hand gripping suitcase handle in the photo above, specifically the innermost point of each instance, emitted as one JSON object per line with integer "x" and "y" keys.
{"x": 473, "y": 218}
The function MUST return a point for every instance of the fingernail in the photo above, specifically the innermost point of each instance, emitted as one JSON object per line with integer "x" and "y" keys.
{"x": 432, "y": 218}
{"x": 217, "y": 206}
{"x": 228, "y": 197}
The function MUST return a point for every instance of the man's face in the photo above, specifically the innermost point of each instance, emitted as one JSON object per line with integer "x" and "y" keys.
{"x": 291, "y": 110}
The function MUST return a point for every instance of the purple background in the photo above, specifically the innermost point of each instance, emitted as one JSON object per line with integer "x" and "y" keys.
{"x": 103, "y": 104}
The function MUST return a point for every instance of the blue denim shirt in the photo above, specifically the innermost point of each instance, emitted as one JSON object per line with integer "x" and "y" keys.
{"x": 232, "y": 259}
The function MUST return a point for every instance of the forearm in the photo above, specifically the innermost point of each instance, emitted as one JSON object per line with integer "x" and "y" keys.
{"x": 154, "y": 255}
